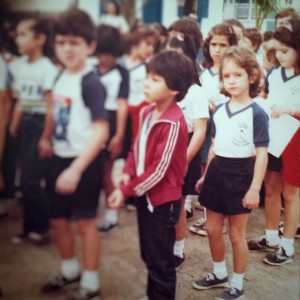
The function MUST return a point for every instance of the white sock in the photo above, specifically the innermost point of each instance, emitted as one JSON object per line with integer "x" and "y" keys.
{"x": 237, "y": 281}
{"x": 178, "y": 248}
{"x": 272, "y": 237}
{"x": 70, "y": 268}
{"x": 111, "y": 215}
{"x": 90, "y": 280}
{"x": 287, "y": 245}
{"x": 220, "y": 269}
{"x": 188, "y": 203}
{"x": 204, "y": 210}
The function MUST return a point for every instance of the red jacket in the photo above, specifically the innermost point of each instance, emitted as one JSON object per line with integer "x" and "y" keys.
{"x": 165, "y": 158}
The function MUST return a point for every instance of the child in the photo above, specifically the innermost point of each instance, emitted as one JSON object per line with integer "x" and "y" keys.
{"x": 115, "y": 79}
{"x": 239, "y": 30}
{"x": 80, "y": 133}
{"x": 154, "y": 171}
{"x": 32, "y": 117}
{"x": 283, "y": 173}
{"x": 233, "y": 179}
{"x": 220, "y": 37}
{"x": 195, "y": 110}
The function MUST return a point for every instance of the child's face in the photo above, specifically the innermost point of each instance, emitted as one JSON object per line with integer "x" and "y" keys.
{"x": 240, "y": 35}
{"x": 156, "y": 89}
{"x": 107, "y": 60}
{"x": 286, "y": 56}
{"x": 235, "y": 79}
{"x": 145, "y": 48}
{"x": 72, "y": 51}
{"x": 26, "y": 39}
{"x": 217, "y": 46}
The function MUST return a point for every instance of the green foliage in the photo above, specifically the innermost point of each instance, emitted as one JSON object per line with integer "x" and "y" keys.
{"x": 263, "y": 8}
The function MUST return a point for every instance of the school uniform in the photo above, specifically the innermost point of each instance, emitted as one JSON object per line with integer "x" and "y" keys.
{"x": 230, "y": 173}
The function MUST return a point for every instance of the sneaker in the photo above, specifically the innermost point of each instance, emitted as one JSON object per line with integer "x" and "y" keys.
{"x": 178, "y": 261}
{"x": 84, "y": 294}
{"x": 197, "y": 225}
{"x": 210, "y": 281}
{"x": 106, "y": 227}
{"x": 231, "y": 293}
{"x": 261, "y": 244}
{"x": 197, "y": 205}
{"x": 189, "y": 214}
{"x": 58, "y": 283}
{"x": 18, "y": 239}
{"x": 37, "y": 237}
{"x": 278, "y": 258}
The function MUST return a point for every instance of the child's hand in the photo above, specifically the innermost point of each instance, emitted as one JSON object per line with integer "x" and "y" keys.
{"x": 278, "y": 110}
{"x": 67, "y": 181}
{"x": 199, "y": 184}
{"x": 44, "y": 148}
{"x": 211, "y": 104}
{"x": 115, "y": 199}
{"x": 251, "y": 199}
{"x": 115, "y": 146}
{"x": 124, "y": 179}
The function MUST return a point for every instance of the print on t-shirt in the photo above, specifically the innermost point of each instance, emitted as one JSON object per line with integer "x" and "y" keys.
{"x": 62, "y": 107}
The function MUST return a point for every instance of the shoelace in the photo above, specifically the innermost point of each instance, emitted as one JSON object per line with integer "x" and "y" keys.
{"x": 209, "y": 277}
{"x": 233, "y": 291}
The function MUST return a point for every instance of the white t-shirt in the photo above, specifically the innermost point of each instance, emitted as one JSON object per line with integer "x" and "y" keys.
{"x": 78, "y": 101}
{"x": 137, "y": 77}
{"x": 283, "y": 90}
{"x": 3, "y": 74}
{"x": 211, "y": 85}
{"x": 32, "y": 80}
{"x": 194, "y": 105}
{"x": 237, "y": 134}
{"x": 116, "y": 83}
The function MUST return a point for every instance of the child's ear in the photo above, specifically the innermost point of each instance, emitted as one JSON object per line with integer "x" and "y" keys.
{"x": 174, "y": 93}
{"x": 252, "y": 78}
{"x": 92, "y": 47}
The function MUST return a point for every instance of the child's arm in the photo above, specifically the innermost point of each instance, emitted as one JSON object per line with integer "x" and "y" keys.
{"x": 211, "y": 155}
{"x": 197, "y": 138}
{"x": 16, "y": 119}
{"x": 45, "y": 147}
{"x": 251, "y": 199}
{"x": 68, "y": 180}
{"x": 155, "y": 171}
{"x": 116, "y": 143}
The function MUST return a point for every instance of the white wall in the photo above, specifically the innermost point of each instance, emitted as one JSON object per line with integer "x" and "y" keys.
{"x": 40, "y": 5}
{"x": 92, "y": 7}
{"x": 169, "y": 12}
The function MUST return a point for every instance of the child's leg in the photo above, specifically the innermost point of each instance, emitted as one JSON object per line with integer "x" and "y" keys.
{"x": 180, "y": 232}
{"x": 214, "y": 226}
{"x": 90, "y": 253}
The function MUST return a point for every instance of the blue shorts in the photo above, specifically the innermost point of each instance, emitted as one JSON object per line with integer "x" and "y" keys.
{"x": 226, "y": 182}
{"x": 83, "y": 203}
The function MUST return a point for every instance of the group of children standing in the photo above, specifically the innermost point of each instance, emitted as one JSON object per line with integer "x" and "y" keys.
{"x": 181, "y": 125}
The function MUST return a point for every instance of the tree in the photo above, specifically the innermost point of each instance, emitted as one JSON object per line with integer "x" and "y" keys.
{"x": 263, "y": 8}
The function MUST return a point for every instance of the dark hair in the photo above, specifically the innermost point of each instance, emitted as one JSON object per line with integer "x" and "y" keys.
{"x": 109, "y": 41}
{"x": 267, "y": 35}
{"x": 76, "y": 22}
{"x": 286, "y": 12}
{"x": 254, "y": 36}
{"x": 134, "y": 37}
{"x": 291, "y": 38}
{"x": 244, "y": 58}
{"x": 41, "y": 26}
{"x": 175, "y": 68}
{"x": 235, "y": 22}
{"x": 186, "y": 44}
{"x": 219, "y": 29}
{"x": 189, "y": 27}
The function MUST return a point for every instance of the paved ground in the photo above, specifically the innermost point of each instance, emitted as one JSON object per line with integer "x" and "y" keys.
{"x": 24, "y": 268}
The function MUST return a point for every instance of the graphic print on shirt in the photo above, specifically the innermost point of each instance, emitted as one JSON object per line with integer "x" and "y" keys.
{"x": 31, "y": 93}
{"x": 62, "y": 111}
{"x": 241, "y": 137}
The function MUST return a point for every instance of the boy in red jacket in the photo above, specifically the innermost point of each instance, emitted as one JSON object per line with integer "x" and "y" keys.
{"x": 155, "y": 169}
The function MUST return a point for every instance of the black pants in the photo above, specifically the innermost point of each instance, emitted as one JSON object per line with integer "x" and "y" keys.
{"x": 33, "y": 175}
{"x": 157, "y": 238}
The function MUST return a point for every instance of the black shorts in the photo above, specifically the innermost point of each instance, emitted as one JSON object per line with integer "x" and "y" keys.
{"x": 225, "y": 185}
{"x": 83, "y": 203}
{"x": 274, "y": 163}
